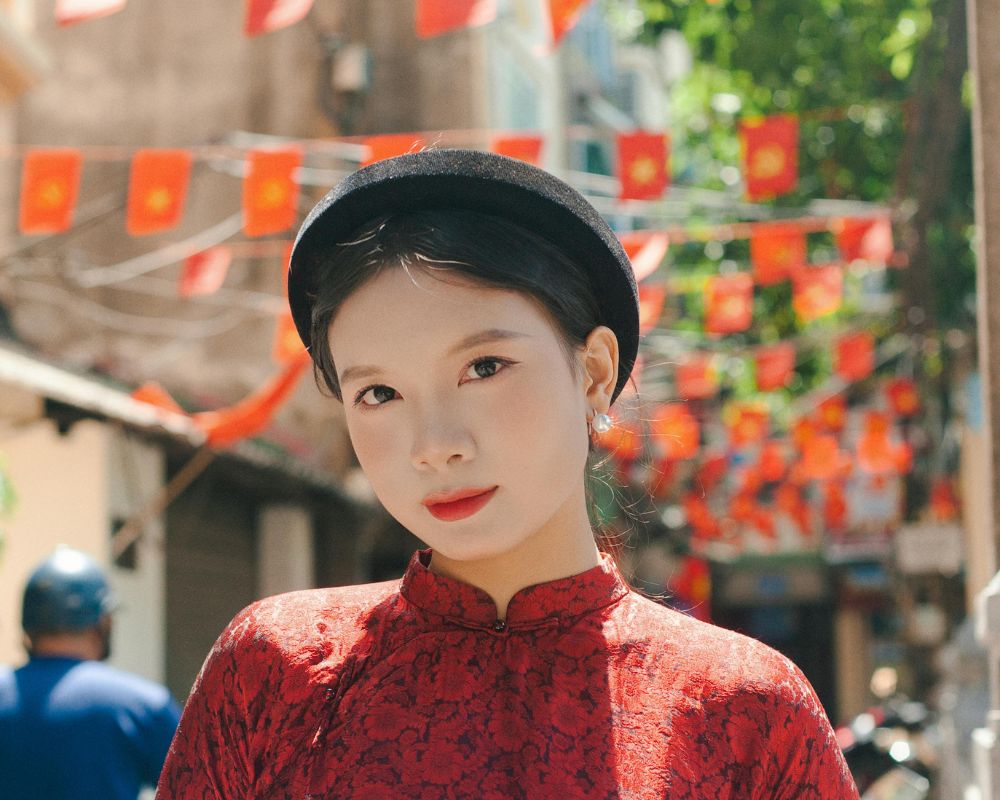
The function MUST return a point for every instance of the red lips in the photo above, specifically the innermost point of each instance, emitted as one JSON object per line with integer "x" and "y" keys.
{"x": 458, "y": 504}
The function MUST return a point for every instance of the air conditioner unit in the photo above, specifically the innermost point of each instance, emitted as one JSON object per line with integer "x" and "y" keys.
{"x": 23, "y": 62}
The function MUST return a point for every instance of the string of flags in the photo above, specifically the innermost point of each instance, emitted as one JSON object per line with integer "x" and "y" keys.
{"x": 159, "y": 179}
{"x": 431, "y": 17}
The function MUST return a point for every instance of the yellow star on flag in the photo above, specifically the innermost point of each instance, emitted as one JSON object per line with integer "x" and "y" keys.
{"x": 768, "y": 162}
{"x": 158, "y": 199}
{"x": 643, "y": 170}
{"x": 272, "y": 194}
{"x": 51, "y": 194}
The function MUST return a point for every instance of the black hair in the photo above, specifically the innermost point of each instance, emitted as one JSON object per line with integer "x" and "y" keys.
{"x": 486, "y": 249}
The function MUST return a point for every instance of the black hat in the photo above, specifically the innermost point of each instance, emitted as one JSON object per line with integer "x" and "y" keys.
{"x": 474, "y": 181}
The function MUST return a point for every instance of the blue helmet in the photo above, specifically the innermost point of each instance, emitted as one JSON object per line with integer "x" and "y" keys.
{"x": 67, "y": 591}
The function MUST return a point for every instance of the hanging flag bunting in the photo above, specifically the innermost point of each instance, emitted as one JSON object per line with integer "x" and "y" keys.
{"x": 728, "y": 303}
{"x": 777, "y": 251}
{"x": 390, "y": 145}
{"x": 834, "y": 507}
{"x": 651, "y": 300}
{"x": 50, "y": 182}
{"x": 774, "y": 366}
{"x": 523, "y": 148}
{"x": 789, "y": 500}
{"x": 696, "y": 378}
{"x": 205, "y": 272}
{"x": 817, "y": 291}
{"x": 877, "y": 453}
{"x": 699, "y": 516}
{"x": 563, "y": 16}
{"x": 904, "y": 400}
{"x": 622, "y": 441}
{"x": 772, "y": 463}
{"x": 831, "y": 413}
{"x": 854, "y": 356}
{"x": 434, "y": 17}
{"x": 659, "y": 478}
{"x": 746, "y": 423}
{"x": 803, "y": 431}
{"x": 822, "y": 459}
{"x": 264, "y": 16}
{"x": 642, "y": 165}
{"x": 251, "y": 415}
{"x": 866, "y": 238}
{"x": 944, "y": 504}
{"x": 270, "y": 193}
{"x": 158, "y": 182}
{"x": 69, "y": 12}
{"x": 770, "y": 148}
{"x": 287, "y": 345}
{"x": 646, "y": 250}
{"x": 712, "y": 469}
{"x": 675, "y": 431}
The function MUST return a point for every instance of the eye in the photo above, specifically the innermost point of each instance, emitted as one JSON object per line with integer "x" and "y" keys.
{"x": 374, "y": 396}
{"x": 485, "y": 368}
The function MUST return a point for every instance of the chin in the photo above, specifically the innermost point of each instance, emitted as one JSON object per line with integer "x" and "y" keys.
{"x": 476, "y": 543}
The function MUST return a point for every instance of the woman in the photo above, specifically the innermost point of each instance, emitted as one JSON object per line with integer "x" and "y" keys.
{"x": 477, "y": 319}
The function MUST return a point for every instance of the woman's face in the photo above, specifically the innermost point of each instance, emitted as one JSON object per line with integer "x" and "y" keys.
{"x": 464, "y": 410}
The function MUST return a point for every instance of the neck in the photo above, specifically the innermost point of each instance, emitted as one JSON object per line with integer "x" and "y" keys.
{"x": 561, "y": 548}
{"x": 85, "y": 646}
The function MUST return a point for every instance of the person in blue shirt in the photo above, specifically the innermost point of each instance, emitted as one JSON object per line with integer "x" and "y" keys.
{"x": 71, "y": 726}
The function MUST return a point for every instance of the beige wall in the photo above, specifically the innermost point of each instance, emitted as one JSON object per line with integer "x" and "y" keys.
{"x": 62, "y": 486}
{"x": 980, "y": 561}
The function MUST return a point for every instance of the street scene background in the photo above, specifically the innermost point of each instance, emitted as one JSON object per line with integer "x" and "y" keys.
{"x": 802, "y": 455}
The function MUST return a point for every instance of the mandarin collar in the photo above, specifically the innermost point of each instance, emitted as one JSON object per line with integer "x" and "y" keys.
{"x": 549, "y": 603}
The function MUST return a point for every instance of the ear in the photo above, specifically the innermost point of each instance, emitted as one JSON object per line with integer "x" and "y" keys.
{"x": 600, "y": 368}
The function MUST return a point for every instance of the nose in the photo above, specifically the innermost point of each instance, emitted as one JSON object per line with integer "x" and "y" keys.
{"x": 440, "y": 440}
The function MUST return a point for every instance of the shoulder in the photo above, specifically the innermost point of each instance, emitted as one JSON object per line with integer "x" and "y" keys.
{"x": 716, "y": 660}
{"x": 314, "y": 627}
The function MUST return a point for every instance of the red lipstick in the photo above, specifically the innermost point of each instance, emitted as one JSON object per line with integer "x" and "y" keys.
{"x": 458, "y": 504}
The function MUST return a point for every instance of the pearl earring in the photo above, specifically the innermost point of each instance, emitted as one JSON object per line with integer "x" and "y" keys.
{"x": 601, "y": 423}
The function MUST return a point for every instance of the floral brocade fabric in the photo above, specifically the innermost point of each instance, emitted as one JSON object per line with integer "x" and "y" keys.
{"x": 413, "y": 689}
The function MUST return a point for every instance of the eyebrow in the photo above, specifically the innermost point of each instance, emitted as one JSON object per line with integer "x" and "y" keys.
{"x": 474, "y": 340}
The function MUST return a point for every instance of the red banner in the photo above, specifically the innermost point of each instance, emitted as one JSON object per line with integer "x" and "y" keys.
{"x": 775, "y": 365}
{"x": 434, "y": 17}
{"x": 158, "y": 183}
{"x": 868, "y": 238}
{"x": 646, "y": 250}
{"x": 696, "y": 379}
{"x": 50, "y": 183}
{"x": 263, "y": 16}
{"x": 770, "y": 155}
{"x": 777, "y": 250}
{"x": 270, "y": 192}
{"x": 651, "y": 300}
{"x": 205, "y": 272}
{"x": 390, "y": 145}
{"x": 729, "y": 303}
{"x": 563, "y": 15}
{"x": 642, "y": 165}
{"x": 675, "y": 431}
{"x": 817, "y": 291}
{"x": 903, "y": 397}
{"x": 523, "y": 148}
{"x": 854, "y": 356}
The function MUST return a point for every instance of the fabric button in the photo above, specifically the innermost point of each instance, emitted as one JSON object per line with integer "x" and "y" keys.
{"x": 500, "y": 626}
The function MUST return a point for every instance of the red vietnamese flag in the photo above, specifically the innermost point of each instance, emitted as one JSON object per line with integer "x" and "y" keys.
{"x": 563, "y": 15}
{"x": 645, "y": 249}
{"x": 692, "y": 585}
{"x": 205, "y": 272}
{"x": 50, "y": 183}
{"x": 729, "y": 303}
{"x": 642, "y": 165}
{"x": 675, "y": 431}
{"x": 651, "y": 300}
{"x": 877, "y": 453}
{"x": 270, "y": 192}
{"x": 434, "y": 17}
{"x": 69, "y": 12}
{"x": 390, "y": 145}
{"x": 770, "y": 155}
{"x": 696, "y": 378}
{"x": 777, "y": 250}
{"x": 817, "y": 291}
{"x": 944, "y": 504}
{"x": 287, "y": 345}
{"x": 868, "y": 238}
{"x": 157, "y": 188}
{"x": 747, "y": 423}
{"x": 903, "y": 397}
{"x": 822, "y": 458}
{"x": 622, "y": 441}
{"x": 264, "y": 16}
{"x": 832, "y": 413}
{"x": 523, "y": 148}
{"x": 854, "y": 357}
{"x": 774, "y": 366}
{"x": 772, "y": 463}
{"x": 834, "y": 506}
{"x": 699, "y": 515}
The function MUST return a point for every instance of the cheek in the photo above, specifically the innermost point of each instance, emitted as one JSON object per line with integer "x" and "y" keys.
{"x": 373, "y": 444}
